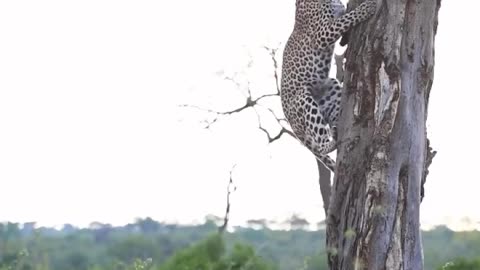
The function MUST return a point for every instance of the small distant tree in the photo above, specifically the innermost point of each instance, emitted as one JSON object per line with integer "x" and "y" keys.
{"x": 147, "y": 225}
{"x": 257, "y": 223}
{"x": 297, "y": 223}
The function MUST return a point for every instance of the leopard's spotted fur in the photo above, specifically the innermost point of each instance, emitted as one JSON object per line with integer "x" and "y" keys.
{"x": 310, "y": 99}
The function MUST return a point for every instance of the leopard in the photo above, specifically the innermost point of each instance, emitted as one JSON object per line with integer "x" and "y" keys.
{"x": 310, "y": 98}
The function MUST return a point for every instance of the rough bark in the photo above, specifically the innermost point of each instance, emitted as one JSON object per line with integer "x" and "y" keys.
{"x": 373, "y": 218}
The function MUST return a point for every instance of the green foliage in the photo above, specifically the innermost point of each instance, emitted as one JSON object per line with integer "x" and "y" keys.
{"x": 462, "y": 264}
{"x": 210, "y": 254}
{"x": 201, "y": 256}
{"x": 243, "y": 257}
{"x": 318, "y": 262}
{"x": 134, "y": 247}
{"x": 149, "y": 245}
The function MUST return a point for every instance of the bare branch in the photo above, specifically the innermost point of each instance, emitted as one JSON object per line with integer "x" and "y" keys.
{"x": 282, "y": 131}
{"x": 273, "y": 55}
{"x": 208, "y": 124}
{"x": 266, "y": 95}
{"x": 248, "y": 90}
{"x": 219, "y": 114}
{"x": 234, "y": 81}
{"x": 226, "y": 218}
{"x": 248, "y": 104}
{"x": 279, "y": 135}
{"x": 251, "y": 102}
{"x": 198, "y": 108}
{"x": 324, "y": 176}
{"x": 260, "y": 124}
{"x": 279, "y": 119}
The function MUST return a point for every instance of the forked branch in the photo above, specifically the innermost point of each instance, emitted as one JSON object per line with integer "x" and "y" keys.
{"x": 253, "y": 103}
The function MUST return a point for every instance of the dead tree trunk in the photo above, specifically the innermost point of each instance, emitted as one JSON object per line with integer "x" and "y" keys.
{"x": 373, "y": 220}
{"x": 324, "y": 176}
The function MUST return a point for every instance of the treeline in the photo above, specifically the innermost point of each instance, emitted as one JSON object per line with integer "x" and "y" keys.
{"x": 148, "y": 244}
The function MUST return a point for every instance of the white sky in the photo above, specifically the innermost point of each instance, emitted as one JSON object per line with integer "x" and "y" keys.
{"x": 90, "y": 128}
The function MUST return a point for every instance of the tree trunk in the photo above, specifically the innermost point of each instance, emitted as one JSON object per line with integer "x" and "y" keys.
{"x": 373, "y": 221}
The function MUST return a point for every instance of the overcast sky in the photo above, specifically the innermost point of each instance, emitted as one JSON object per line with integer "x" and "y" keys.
{"x": 90, "y": 127}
